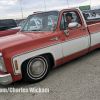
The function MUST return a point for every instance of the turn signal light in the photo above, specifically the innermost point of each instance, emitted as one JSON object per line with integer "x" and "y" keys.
{"x": 16, "y": 65}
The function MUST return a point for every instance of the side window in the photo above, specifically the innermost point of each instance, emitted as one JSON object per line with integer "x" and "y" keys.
{"x": 68, "y": 17}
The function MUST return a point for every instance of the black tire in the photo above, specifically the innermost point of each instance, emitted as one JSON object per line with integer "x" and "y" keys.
{"x": 36, "y": 69}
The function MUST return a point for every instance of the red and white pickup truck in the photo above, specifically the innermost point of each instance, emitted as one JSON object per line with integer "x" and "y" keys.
{"x": 31, "y": 53}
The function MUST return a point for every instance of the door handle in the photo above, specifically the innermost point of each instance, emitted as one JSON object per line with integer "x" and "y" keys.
{"x": 83, "y": 29}
{"x": 54, "y": 39}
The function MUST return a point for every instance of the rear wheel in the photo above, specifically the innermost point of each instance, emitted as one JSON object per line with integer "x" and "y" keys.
{"x": 36, "y": 69}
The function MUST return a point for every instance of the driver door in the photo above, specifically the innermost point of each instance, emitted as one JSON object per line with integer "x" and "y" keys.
{"x": 77, "y": 42}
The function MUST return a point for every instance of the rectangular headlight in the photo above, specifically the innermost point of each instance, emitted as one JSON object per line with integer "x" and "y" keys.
{"x": 2, "y": 65}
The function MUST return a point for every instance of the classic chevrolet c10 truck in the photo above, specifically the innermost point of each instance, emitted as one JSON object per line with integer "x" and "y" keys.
{"x": 31, "y": 53}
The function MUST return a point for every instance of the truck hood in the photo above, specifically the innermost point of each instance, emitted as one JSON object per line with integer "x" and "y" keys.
{"x": 20, "y": 37}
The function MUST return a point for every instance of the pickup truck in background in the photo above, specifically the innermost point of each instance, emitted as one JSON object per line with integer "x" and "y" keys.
{"x": 8, "y": 27}
{"x": 7, "y": 24}
{"x": 31, "y": 53}
{"x": 12, "y": 30}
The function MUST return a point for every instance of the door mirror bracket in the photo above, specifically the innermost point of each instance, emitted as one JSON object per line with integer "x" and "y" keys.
{"x": 66, "y": 32}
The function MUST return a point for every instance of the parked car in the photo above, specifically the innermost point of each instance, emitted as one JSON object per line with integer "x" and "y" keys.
{"x": 94, "y": 17}
{"x": 31, "y": 53}
{"x": 91, "y": 17}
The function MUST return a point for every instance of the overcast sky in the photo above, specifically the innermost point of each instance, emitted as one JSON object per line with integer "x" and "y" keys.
{"x": 12, "y": 7}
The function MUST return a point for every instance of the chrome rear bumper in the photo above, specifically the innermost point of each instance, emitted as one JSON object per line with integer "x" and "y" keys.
{"x": 5, "y": 79}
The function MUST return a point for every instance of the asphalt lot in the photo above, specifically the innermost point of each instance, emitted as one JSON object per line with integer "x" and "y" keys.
{"x": 78, "y": 79}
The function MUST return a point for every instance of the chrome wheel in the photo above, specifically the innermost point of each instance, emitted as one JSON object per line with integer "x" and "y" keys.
{"x": 36, "y": 69}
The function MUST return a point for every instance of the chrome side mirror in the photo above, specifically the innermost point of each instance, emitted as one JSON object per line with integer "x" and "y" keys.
{"x": 73, "y": 25}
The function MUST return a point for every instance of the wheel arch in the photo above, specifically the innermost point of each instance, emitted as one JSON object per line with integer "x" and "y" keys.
{"x": 49, "y": 55}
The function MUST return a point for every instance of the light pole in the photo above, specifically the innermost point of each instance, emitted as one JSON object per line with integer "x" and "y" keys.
{"x": 45, "y": 5}
{"x": 67, "y": 4}
{"x": 21, "y": 7}
{"x": 90, "y": 4}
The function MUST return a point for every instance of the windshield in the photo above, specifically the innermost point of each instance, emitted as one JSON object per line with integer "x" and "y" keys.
{"x": 46, "y": 21}
{"x": 21, "y": 23}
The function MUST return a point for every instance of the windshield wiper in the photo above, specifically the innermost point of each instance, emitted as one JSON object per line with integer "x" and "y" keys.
{"x": 29, "y": 30}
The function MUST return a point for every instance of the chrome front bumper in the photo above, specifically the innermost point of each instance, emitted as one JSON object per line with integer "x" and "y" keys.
{"x": 5, "y": 79}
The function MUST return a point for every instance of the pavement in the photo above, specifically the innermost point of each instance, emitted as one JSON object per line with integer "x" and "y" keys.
{"x": 78, "y": 79}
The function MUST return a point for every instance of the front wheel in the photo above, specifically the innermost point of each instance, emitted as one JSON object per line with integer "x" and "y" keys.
{"x": 36, "y": 69}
